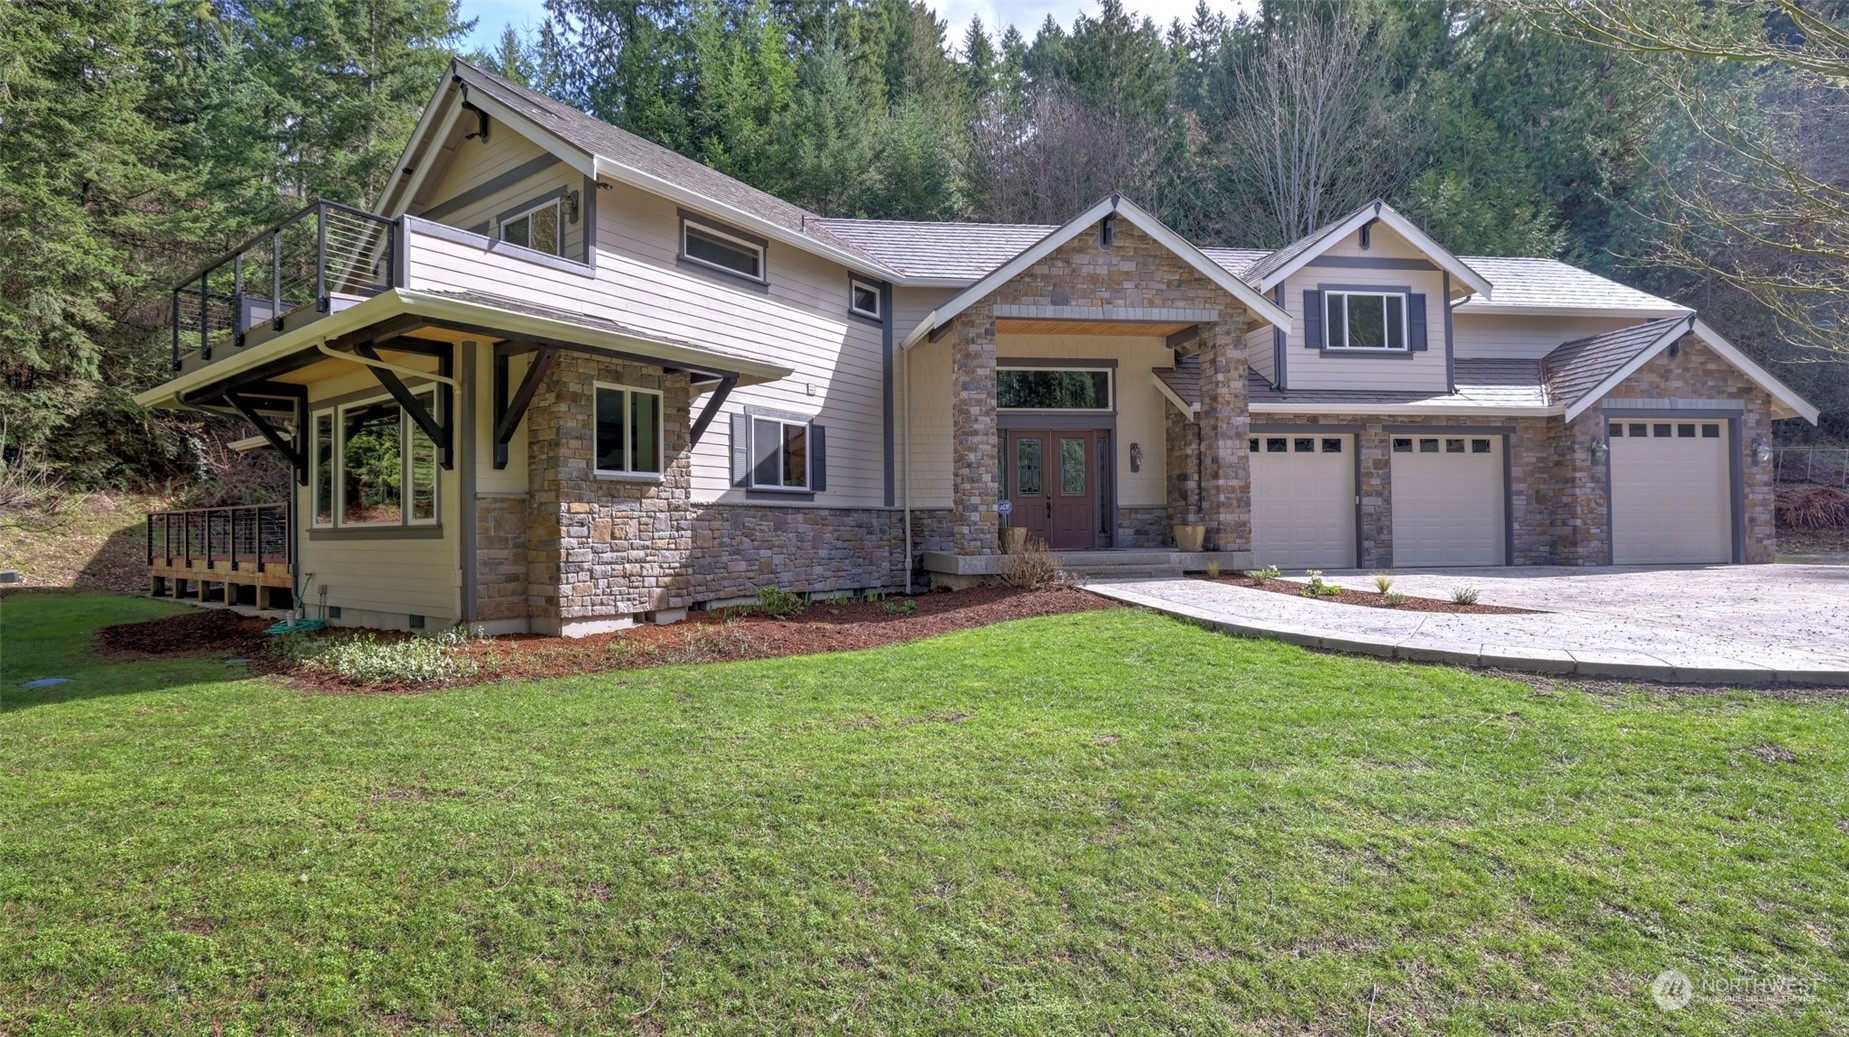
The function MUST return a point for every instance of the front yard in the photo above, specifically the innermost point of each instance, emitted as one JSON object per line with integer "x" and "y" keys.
{"x": 1099, "y": 822}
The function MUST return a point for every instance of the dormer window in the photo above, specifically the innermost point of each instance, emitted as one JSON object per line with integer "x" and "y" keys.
{"x": 1365, "y": 320}
{"x": 864, "y": 299}
{"x": 537, "y": 228}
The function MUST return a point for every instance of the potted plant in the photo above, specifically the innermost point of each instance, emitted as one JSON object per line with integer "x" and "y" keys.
{"x": 1190, "y": 536}
{"x": 1014, "y": 539}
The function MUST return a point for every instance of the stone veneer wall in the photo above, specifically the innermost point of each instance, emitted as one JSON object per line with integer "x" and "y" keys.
{"x": 500, "y": 557}
{"x": 1144, "y": 527}
{"x": 1136, "y": 272}
{"x": 934, "y": 530}
{"x": 738, "y": 550}
{"x": 1182, "y": 440}
{"x": 601, "y": 550}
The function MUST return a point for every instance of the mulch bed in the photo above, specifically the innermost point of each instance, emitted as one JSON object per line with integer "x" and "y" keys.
{"x": 1374, "y": 599}
{"x": 705, "y": 637}
{"x": 188, "y": 633}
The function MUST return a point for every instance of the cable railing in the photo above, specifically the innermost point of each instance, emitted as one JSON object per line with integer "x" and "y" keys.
{"x": 251, "y": 537}
{"x": 1817, "y": 465}
{"x": 325, "y": 253}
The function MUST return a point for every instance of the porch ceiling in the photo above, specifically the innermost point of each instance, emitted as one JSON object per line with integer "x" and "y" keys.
{"x": 1140, "y": 328}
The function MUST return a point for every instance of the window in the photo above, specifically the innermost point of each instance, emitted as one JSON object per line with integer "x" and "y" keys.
{"x": 1428, "y": 446}
{"x": 780, "y": 453}
{"x": 422, "y": 464}
{"x": 1686, "y": 430}
{"x": 1710, "y": 432}
{"x": 1479, "y": 446}
{"x": 538, "y": 228}
{"x": 1454, "y": 446}
{"x": 864, "y": 299}
{"x": 1305, "y": 445}
{"x": 1277, "y": 445}
{"x": 1615, "y": 429}
{"x": 1063, "y": 389}
{"x": 373, "y": 466}
{"x": 628, "y": 431}
{"x": 722, "y": 251}
{"x": 1356, "y": 320}
{"x": 1332, "y": 446}
{"x": 1402, "y": 446}
{"x": 324, "y": 469}
{"x": 1252, "y": 444}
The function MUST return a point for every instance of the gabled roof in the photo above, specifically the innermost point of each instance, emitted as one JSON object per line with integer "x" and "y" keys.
{"x": 599, "y": 149}
{"x": 1582, "y": 372}
{"x": 953, "y": 254}
{"x": 1273, "y": 269}
{"x": 1550, "y": 287}
{"x": 1259, "y": 306}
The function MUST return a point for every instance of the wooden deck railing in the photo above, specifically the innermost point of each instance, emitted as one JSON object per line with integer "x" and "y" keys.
{"x": 237, "y": 554}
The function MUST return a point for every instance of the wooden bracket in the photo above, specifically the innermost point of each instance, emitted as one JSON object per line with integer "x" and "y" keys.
{"x": 291, "y": 448}
{"x": 711, "y": 410}
{"x": 508, "y": 413}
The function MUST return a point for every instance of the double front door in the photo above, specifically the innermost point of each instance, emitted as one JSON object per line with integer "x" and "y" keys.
{"x": 1054, "y": 486}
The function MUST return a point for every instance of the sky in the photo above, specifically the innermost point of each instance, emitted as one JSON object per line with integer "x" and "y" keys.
{"x": 493, "y": 15}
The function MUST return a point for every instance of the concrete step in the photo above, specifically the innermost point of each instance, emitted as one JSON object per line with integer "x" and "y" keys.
{"x": 1125, "y": 572}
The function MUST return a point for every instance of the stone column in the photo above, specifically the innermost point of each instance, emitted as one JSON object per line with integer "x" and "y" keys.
{"x": 975, "y": 454}
{"x": 1184, "y": 466}
{"x": 1225, "y": 422}
{"x": 1376, "y": 491}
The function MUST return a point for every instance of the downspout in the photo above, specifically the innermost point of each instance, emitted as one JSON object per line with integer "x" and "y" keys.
{"x": 905, "y": 455}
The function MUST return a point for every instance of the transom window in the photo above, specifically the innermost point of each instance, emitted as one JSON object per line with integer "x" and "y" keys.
{"x": 779, "y": 453}
{"x": 709, "y": 246}
{"x": 1018, "y": 388}
{"x": 628, "y": 431}
{"x": 1659, "y": 430}
{"x": 373, "y": 465}
{"x": 864, "y": 299}
{"x": 539, "y": 228}
{"x": 1357, "y": 320}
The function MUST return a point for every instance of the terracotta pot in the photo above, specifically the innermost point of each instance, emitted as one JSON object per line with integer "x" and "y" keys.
{"x": 1014, "y": 539}
{"x": 1190, "y": 537}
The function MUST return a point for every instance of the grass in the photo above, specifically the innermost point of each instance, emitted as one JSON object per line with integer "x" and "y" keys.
{"x": 1106, "y": 822}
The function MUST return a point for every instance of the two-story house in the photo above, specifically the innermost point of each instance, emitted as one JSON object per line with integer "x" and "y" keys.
{"x": 561, "y": 379}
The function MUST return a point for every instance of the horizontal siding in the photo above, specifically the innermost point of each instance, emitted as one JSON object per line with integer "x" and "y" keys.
{"x": 1261, "y": 353}
{"x": 1314, "y": 369}
{"x": 473, "y": 163}
{"x": 1383, "y": 243}
{"x": 927, "y": 415}
{"x": 1515, "y": 337}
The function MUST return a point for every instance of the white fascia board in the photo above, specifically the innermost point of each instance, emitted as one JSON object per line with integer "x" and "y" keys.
{"x": 1406, "y": 409}
{"x": 1799, "y": 406}
{"x": 431, "y": 150}
{"x": 1386, "y": 214}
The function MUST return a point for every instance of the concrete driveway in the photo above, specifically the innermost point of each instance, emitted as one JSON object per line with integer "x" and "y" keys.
{"x": 1756, "y": 623}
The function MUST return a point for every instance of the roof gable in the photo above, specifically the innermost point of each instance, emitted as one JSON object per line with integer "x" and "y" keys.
{"x": 1269, "y": 272}
{"x": 1584, "y": 371}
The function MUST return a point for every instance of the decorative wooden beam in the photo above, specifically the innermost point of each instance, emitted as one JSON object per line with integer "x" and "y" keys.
{"x": 440, "y": 434}
{"x": 1184, "y": 336}
{"x": 290, "y": 448}
{"x": 509, "y": 413}
{"x": 711, "y": 410}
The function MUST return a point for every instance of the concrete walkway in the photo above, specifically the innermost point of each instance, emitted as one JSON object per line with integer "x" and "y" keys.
{"x": 1721, "y": 625}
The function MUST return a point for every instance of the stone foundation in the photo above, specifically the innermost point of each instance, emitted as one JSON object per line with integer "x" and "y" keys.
{"x": 739, "y": 550}
{"x": 500, "y": 559}
{"x": 1144, "y": 527}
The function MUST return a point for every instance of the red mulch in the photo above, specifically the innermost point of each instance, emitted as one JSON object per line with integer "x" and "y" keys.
{"x": 704, "y": 637}
{"x": 188, "y": 633}
{"x": 1374, "y": 599}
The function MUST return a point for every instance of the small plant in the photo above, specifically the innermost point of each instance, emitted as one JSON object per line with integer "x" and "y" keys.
{"x": 1393, "y": 599}
{"x": 1316, "y": 588}
{"x": 1463, "y": 595}
{"x": 1032, "y": 566}
{"x": 367, "y": 658}
{"x": 1265, "y": 575}
{"x": 779, "y": 603}
{"x": 899, "y": 606}
{"x": 1383, "y": 581}
{"x": 1213, "y": 570}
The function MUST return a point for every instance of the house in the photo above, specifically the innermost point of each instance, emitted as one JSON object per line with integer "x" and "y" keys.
{"x": 560, "y": 379}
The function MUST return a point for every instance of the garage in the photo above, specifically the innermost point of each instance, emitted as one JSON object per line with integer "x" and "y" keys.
{"x": 1448, "y": 500}
{"x": 1671, "y": 499}
{"x": 1303, "y": 501}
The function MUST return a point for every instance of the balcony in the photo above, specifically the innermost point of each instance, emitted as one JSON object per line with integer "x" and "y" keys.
{"x": 322, "y": 260}
{"x": 234, "y": 555}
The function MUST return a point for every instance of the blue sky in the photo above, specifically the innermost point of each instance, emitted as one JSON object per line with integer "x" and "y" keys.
{"x": 492, "y": 15}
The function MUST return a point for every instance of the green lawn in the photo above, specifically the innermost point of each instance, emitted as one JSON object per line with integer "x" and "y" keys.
{"x": 1106, "y": 822}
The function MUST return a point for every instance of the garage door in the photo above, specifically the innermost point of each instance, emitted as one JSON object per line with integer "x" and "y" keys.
{"x": 1671, "y": 501}
{"x": 1303, "y": 501}
{"x": 1448, "y": 501}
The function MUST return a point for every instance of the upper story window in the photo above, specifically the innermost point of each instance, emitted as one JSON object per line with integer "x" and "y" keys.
{"x": 1052, "y": 389}
{"x": 1365, "y": 320}
{"x": 539, "y": 228}
{"x": 628, "y": 431}
{"x": 864, "y": 299}
{"x": 720, "y": 250}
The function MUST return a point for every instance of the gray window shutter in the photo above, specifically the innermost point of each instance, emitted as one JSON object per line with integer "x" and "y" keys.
{"x": 1415, "y": 322}
{"x": 1312, "y": 319}
{"x": 741, "y": 450}
{"x": 818, "y": 457}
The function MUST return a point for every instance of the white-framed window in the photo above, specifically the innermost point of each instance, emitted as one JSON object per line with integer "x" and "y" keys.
{"x": 1365, "y": 320}
{"x": 372, "y": 465}
{"x": 1055, "y": 388}
{"x": 712, "y": 247}
{"x": 628, "y": 430}
{"x": 864, "y": 298}
{"x": 780, "y": 453}
{"x": 541, "y": 228}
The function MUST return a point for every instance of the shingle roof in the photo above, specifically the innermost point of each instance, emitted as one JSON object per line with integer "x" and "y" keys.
{"x": 1480, "y": 384}
{"x": 534, "y": 309}
{"x": 1576, "y": 368}
{"x": 1237, "y": 261}
{"x": 1549, "y": 283}
{"x": 947, "y": 250}
{"x": 1278, "y": 259}
{"x": 599, "y": 138}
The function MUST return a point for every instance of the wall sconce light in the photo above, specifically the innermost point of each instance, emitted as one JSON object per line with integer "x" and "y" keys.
{"x": 1136, "y": 457}
{"x": 1599, "y": 449}
{"x": 1762, "y": 451}
{"x": 571, "y": 206}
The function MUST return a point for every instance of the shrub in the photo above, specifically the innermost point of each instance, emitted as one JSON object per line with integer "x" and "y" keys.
{"x": 779, "y": 603}
{"x": 1316, "y": 588}
{"x": 1811, "y": 507}
{"x": 1383, "y": 581}
{"x": 899, "y": 606}
{"x": 1393, "y": 598}
{"x": 1265, "y": 575}
{"x": 1463, "y": 595}
{"x": 1213, "y": 570}
{"x": 1032, "y": 566}
{"x": 367, "y": 658}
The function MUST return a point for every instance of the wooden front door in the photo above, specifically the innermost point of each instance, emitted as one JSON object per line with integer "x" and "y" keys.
{"x": 1053, "y": 487}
